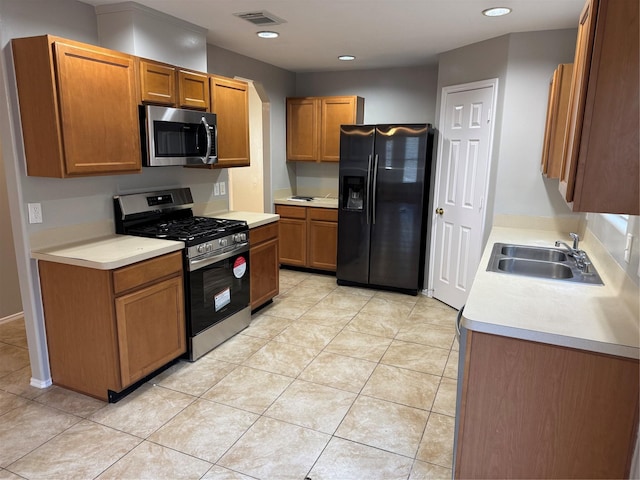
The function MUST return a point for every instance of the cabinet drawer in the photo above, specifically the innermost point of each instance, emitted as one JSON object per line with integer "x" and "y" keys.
{"x": 291, "y": 212}
{"x": 327, "y": 214}
{"x": 141, "y": 273}
{"x": 263, "y": 233}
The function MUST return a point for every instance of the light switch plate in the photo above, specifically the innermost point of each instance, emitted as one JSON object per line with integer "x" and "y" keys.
{"x": 627, "y": 248}
{"x": 223, "y": 188}
{"x": 216, "y": 189}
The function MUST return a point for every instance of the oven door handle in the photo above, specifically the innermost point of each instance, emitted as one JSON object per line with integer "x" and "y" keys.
{"x": 198, "y": 264}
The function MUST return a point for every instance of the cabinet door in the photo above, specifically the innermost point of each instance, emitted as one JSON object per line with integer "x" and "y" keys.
{"x": 335, "y": 111}
{"x": 151, "y": 328}
{"x": 557, "y": 111}
{"x": 157, "y": 83}
{"x": 323, "y": 245}
{"x": 193, "y": 90}
{"x": 230, "y": 102}
{"x": 293, "y": 241}
{"x": 264, "y": 272}
{"x": 302, "y": 129}
{"x": 98, "y": 111}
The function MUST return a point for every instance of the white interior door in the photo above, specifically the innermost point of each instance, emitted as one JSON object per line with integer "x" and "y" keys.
{"x": 461, "y": 187}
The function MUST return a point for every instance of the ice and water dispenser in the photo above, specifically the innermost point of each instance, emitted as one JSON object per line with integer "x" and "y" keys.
{"x": 353, "y": 196}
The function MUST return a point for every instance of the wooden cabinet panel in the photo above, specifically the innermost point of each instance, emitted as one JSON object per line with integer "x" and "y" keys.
{"x": 556, "y": 125}
{"x": 265, "y": 264}
{"x": 532, "y": 410}
{"x": 193, "y": 90}
{"x": 302, "y": 129}
{"x": 602, "y": 146}
{"x": 151, "y": 328}
{"x": 158, "y": 83}
{"x": 308, "y": 237}
{"x": 78, "y": 106}
{"x": 230, "y": 102}
{"x": 313, "y": 126}
{"x": 99, "y": 340}
{"x": 323, "y": 245}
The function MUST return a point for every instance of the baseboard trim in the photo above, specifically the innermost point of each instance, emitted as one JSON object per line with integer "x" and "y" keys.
{"x": 40, "y": 383}
{"x": 11, "y": 318}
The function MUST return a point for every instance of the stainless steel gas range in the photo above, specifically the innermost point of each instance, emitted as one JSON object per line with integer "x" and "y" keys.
{"x": 216, "y": 261}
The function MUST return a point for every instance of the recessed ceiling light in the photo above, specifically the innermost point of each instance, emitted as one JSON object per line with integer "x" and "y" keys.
{"x": 496, "y": 11}
{"x": 266, "y": 34}
{"x": 346, "y": 58}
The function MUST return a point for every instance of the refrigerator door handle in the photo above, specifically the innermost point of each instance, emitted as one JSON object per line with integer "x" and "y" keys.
{"x": 368, "y": 207}
{"x": 375, "y": 189}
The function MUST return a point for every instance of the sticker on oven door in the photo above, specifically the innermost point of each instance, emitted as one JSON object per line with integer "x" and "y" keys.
{"x": 222, "y": 299}
{"x": 239, "y": 267}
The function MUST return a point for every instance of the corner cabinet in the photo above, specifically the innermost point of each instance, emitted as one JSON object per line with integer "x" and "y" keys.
{"x": 263, "y": 257}
{"x": 601, "y": 153}
{"x": 556, "y": 126}
{"x": 78, "y": 108}
{"x": 313, "y": 126}
{"x": 534, "y": 410}
{"x": 107, "y": 329}
{"x": 308, "y": 237}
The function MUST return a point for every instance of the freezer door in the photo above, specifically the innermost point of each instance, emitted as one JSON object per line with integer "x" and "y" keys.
{"x": 397, "y": 236}
{"x": 354, "y": 209}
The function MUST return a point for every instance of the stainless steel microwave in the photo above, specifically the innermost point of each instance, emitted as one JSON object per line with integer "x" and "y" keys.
{"x": 176, "y": 136}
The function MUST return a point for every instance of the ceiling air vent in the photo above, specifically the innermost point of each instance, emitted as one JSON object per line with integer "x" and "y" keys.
{"x": 260, "y": 19}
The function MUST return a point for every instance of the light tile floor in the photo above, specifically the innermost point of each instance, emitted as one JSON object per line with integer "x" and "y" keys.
{"x": 328, "y": 382}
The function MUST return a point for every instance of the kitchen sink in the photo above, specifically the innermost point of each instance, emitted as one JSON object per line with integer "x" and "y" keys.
{"x": 540, "y": 262}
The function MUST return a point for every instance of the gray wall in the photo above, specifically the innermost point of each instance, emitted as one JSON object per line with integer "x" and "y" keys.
{"x": 10, "y": 302}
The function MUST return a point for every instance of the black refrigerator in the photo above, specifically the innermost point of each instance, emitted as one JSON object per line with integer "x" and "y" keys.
{"x": 385, "y": 173}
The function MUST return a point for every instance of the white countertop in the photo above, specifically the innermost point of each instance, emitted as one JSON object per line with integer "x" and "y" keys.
{"x": 107, "y": 253}
{"x": 589, "y": 317}
{"x": 253, "y": 219}
{"x": 318, "y": 202}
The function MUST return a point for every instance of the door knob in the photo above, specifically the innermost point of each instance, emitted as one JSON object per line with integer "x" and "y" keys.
{"x": 439, "y": 211}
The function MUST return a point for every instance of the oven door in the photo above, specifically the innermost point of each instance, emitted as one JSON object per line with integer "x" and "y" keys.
{"x": 216, "y": 288}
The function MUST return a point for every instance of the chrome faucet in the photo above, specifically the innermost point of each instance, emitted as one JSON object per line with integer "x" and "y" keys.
{"x": 582, "y": 261}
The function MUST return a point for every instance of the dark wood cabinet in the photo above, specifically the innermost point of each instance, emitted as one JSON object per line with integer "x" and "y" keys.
{"x": 556, "y": 125}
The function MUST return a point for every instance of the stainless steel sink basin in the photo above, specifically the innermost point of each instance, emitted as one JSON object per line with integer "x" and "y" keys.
{"x": 540, "y": 262}
{"x": 535, "y": 268}
{"x": 534, "y": 253}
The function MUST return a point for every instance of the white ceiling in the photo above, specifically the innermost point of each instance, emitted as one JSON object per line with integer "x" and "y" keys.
{"x": 380, "y": 33}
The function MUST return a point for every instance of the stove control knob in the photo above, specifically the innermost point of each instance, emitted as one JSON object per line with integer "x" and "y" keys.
{"x": 209, "y": 247}
{"x": 240, "y": 237}
{"x": 223, "y": 242}
{"x": 200, "y": 249}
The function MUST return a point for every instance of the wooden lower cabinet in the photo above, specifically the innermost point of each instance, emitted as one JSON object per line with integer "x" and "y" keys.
{"x": 308, "y": 237}
{"x": 106, "y": 329}
{"x": 263, "y": 258}
{"x": 534, "y": 410}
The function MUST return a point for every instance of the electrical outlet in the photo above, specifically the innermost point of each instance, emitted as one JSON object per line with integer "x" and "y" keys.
{"x": 216, "y": 189}
{"x": 35, "y": 212}
{"x": 627, "y": 248}
{"x": 223, "y": 188}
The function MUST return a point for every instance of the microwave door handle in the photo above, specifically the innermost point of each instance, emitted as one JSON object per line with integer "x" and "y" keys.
{"x": 207, "y": 130}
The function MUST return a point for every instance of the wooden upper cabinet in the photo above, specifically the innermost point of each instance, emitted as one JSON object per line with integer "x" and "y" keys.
{"x": 193, "y": 90}
{"x": 78, "y": 108}
{"x": 313, "y": 126}
{"x": 556, "y": 125}
{"x": 230, "y": 103}
{"x": 157, "y": 83}
{"x": 600, "y": 168}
